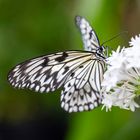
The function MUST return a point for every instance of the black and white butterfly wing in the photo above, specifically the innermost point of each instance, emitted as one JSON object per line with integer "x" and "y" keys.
{"x": 47, "y": 73}
{"x": 79, "y": 73}
{"x": 82, "y": 88}
{"x": 90, "y": 39}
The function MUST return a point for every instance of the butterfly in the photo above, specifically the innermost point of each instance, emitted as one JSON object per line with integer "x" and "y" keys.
{"x": 78, "y": 73}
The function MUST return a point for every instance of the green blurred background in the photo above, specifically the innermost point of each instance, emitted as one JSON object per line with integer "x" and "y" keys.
{"x": 30, "y": 28}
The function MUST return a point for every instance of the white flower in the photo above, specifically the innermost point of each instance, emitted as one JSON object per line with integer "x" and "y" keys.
{"x": 114, "y": 64}
{"x": 121, "y": 84}
{"x": 135, "y": 41}
{"x": 133, "y": 53}
{"x": 116, "y": 58}
{"x": 122, "y": 96}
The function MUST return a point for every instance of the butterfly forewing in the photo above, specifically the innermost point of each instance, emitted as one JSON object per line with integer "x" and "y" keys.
{"x": 47, "y": 73}
{"x": 90, "y": 39}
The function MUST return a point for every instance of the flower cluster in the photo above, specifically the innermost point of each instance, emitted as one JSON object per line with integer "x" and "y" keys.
{"x": 121, "y": 84}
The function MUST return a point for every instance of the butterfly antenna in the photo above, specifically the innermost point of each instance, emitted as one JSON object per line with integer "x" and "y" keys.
{"x": 114, "y": 37}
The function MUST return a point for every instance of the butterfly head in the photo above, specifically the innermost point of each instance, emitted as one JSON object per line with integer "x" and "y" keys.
{"x": 101, "y": 50}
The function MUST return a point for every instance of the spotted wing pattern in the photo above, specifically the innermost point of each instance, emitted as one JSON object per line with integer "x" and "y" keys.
{"x": 79, "y": 73}
{"x": 82, "y": 88}
{"x": 47, "y": 73}
{"x": 90, "y": 39}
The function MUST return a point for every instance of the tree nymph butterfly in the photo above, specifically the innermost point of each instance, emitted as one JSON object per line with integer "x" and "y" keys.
{"x": 78, "y": 73}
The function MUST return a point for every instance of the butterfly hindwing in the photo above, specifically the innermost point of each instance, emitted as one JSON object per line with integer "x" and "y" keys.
{"x": 82, "y": 89}
{"x": 90, "y": 39}
{"x": 47, "y": 73}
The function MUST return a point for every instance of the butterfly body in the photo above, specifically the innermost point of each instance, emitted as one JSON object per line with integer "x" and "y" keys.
{"x": 78, "y": 73}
